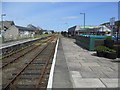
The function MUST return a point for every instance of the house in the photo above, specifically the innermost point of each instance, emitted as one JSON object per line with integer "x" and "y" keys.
{"x": 18, "y": 32}
{"x": 31, "y": 27}
{"x": 12, "y": 31}
{"x": 44, "y": 32}
{"x": 6, "y": 24}
{"x": 38, "y": 30}
{"x": 51, "y": 31}
{"x": 47, "y": 31}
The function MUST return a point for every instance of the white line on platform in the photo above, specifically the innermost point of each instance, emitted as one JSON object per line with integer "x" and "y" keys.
{"x": 50, "y": 80}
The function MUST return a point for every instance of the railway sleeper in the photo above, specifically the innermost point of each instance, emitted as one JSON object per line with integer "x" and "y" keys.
{"x": 31, "y": 74}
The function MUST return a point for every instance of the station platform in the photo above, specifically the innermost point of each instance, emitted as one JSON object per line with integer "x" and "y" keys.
{"x": 14, "y": 42}
{"x": 76, "y": 67}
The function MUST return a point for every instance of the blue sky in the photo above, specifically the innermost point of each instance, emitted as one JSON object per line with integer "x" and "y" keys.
{"x": 54, "y": 15}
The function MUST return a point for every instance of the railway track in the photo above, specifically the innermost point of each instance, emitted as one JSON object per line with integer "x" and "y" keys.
{"x": 12, "y": 58}
{"x": 32, "y": 70}
{"x": 22, "y": 49}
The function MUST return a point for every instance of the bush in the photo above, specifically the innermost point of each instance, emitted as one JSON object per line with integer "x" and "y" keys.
{"x": 101, "y": 48}
{"x": 109, "y": 38}
{"x": 105, "y": 49}
{"x": 46, "y": 32}
{"x": 110, "y": 51}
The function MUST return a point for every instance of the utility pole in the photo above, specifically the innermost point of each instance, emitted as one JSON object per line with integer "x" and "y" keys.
{"x": 84, "y": 19}
{"x": 66, "y": 25}
{"x": 66, "y": 28}
{"x": 2, "y": 27}
{"x": 112, "y": 23}
{"x": 2, "y": 20}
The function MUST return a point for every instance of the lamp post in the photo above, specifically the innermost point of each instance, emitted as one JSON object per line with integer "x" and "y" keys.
{"x": 2, "y": 27}
{"x": 2, "y": 20}
{"x": 112, "y": 23}
{"x": 84, "y": 19}
{"x": 66, "y": 28}
{"x": 66, "y": 25}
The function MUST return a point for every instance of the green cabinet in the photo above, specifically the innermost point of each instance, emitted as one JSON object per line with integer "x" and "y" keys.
{"x": 90, "y": 41}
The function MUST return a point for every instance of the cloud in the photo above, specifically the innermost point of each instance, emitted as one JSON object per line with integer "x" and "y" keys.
{"x": 71, "y": 17}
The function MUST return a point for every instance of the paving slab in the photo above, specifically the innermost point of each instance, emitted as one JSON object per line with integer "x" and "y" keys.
{"x": 110, "y": 82}
{"x": 90, "y": 64}
{"x": 88, "y": 74}
{"x": 87, "y": 83}
{"x": 75, "y": 74}
{"x": 113, "y": 74}
{"x": 85, "y": 68}
{"x": 102, "y": 69}
{"x": 79, "y": 68}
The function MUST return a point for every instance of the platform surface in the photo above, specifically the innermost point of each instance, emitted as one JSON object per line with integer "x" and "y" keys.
{"x": 79, "y": 68}
{"x": 14, "y": 42}
{"x": 8, "y": 44}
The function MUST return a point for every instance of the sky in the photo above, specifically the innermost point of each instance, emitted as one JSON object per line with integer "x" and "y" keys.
{"x": 59, "y": 16}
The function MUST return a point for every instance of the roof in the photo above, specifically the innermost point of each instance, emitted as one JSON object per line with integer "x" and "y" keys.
{"x": 72, "y": 28}
{"x": 31, "y": 27}
{"x": 24, "y": 28}
{"x": 7, "y": 24}
{"x": 76, "y": 28}
{"x": 104, "y": 29}
{"x": 44, "y": 30}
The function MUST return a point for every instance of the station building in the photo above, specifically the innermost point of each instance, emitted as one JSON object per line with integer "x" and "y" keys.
{"x": 89, "y": 29}
{"x": 115, "y": 27}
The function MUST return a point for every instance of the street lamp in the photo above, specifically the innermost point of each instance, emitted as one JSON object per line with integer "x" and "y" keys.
{"x": 2, "y": 20}
{"x": 112, "y": 24}
{"x": 67, "y": 27}
{"x": 84, "y": 19}
{"x": 66, "y": 24}
{"x": 2, "y": 27}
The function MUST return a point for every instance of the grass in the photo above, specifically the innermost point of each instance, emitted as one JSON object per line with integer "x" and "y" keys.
{"x": 60, "y": 35}
{"x": 43, "y": 35}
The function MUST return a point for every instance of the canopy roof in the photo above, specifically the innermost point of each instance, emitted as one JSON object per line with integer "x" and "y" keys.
{"x": 86, "y": 27}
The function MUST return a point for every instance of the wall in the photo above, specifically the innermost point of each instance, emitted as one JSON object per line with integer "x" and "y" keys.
{"x": 11, "y": 33}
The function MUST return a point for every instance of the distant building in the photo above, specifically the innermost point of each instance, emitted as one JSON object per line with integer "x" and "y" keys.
{"x": 31, "y": 27}
{"x": 89, "y": 29}
{"x": 12, "y": 31}
{"x": 81, "y": 30}
{"x": 50, "y": 31}
{"x": 72, "y": 30}
{"x": 47, "y": 31}
{"x": 44, "y": 31}
{"x": 18, "y": 32}
{"x": 38, "y": 30}
{"x": 116, "y": 27}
